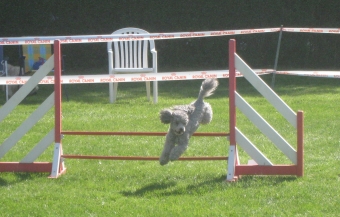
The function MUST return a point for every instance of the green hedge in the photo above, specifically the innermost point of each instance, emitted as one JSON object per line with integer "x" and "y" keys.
{"x": 298, "y": 50}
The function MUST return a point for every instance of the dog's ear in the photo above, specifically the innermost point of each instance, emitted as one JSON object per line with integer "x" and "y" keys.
{"x": 166, "y": 116}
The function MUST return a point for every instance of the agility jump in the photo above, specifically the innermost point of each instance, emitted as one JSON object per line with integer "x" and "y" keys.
{"x": 264, "y": 167}
{"x": 58, "y": 164}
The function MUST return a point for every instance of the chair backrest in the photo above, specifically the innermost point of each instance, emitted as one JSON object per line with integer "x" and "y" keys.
{"x": 130, "y": 54}
{"x": 35, "y": 55}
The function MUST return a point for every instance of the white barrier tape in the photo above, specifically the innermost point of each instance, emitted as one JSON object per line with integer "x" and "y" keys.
{"x": 313, "y": 30}
{"x": 155, "y": 36}
{"x": 164, "y": 76}
{"x": 120, "y": 37}
{"x": 106, "y": 78}
{"x": 325, "y": 74}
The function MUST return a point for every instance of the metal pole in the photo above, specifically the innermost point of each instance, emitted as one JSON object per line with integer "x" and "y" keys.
{"x": 6, "y": 74}
{"x": 277, "y": 57}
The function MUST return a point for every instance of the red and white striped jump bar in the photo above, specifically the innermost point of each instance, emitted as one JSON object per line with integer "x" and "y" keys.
{"x": 106, "y": 78}
{"x": 155, "y": 36}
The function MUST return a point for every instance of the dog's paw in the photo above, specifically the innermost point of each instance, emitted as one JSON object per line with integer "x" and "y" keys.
{"x": 177, "y": 152}
{"x": 174, "y": 157}
{"x": 163, "y": 161}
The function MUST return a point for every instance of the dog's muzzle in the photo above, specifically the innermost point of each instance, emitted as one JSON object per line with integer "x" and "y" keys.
{"x": 180, "y": 131}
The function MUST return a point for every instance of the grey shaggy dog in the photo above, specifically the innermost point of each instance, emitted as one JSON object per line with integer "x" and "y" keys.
{"x": 184, "y": 120}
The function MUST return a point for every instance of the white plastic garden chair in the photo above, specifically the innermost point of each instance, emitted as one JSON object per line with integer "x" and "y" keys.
{"x": 131, "y": 57}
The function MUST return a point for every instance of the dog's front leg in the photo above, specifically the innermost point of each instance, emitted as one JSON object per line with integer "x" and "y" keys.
{"x": 168, "y": 146}
{"x": 177, "y": 151}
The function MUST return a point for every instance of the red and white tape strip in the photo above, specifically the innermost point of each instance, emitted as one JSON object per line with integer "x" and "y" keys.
{"x": 313, "y": 30}
{"x": 106, "y": 78}
{"x": 155, "y": 36}
{"x": 132, "y": 37}
{"x": 325, "y": 74}
{"x": 164, "y": 76}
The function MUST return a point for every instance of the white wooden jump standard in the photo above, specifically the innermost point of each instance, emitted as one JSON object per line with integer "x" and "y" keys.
{"x": 27, "y": 164}
{"x": 263, "y": 165}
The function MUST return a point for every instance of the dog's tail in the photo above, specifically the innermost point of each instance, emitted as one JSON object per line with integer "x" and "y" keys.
{"x": 207, "y": 88}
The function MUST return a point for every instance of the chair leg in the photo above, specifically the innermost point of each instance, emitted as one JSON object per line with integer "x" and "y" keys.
{"x": 115, "y": 88}
{"x": 148, "y": 89}
{"x": 155, "y": 92}
{"x": 113, "y": 91}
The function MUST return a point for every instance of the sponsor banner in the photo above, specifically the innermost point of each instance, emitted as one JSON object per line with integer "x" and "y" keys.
{"x": 164, "y": 76}
{"x": 154, "y": 36}
{"x": 313, "y": 30}
{"x": 107, "y": 78}
{"x": 325, "y": 74}
{"x": 132, "y": 37}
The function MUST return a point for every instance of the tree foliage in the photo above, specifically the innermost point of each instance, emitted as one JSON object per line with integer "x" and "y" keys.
{"x": 89, "y": 17}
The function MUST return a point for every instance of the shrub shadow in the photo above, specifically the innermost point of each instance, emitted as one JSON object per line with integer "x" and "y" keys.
{"x": 19, "y": 177}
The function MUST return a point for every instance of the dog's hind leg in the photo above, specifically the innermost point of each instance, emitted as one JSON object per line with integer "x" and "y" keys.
{"x": 207, "y": 114}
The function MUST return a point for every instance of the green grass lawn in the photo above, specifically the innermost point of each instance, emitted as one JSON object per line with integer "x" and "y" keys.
{"x": 144, "y": 188}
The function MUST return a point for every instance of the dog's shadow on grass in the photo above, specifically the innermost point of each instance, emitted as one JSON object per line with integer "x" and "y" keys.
{"x": 168, "y": 188}
{"x": 150, "y": 188}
